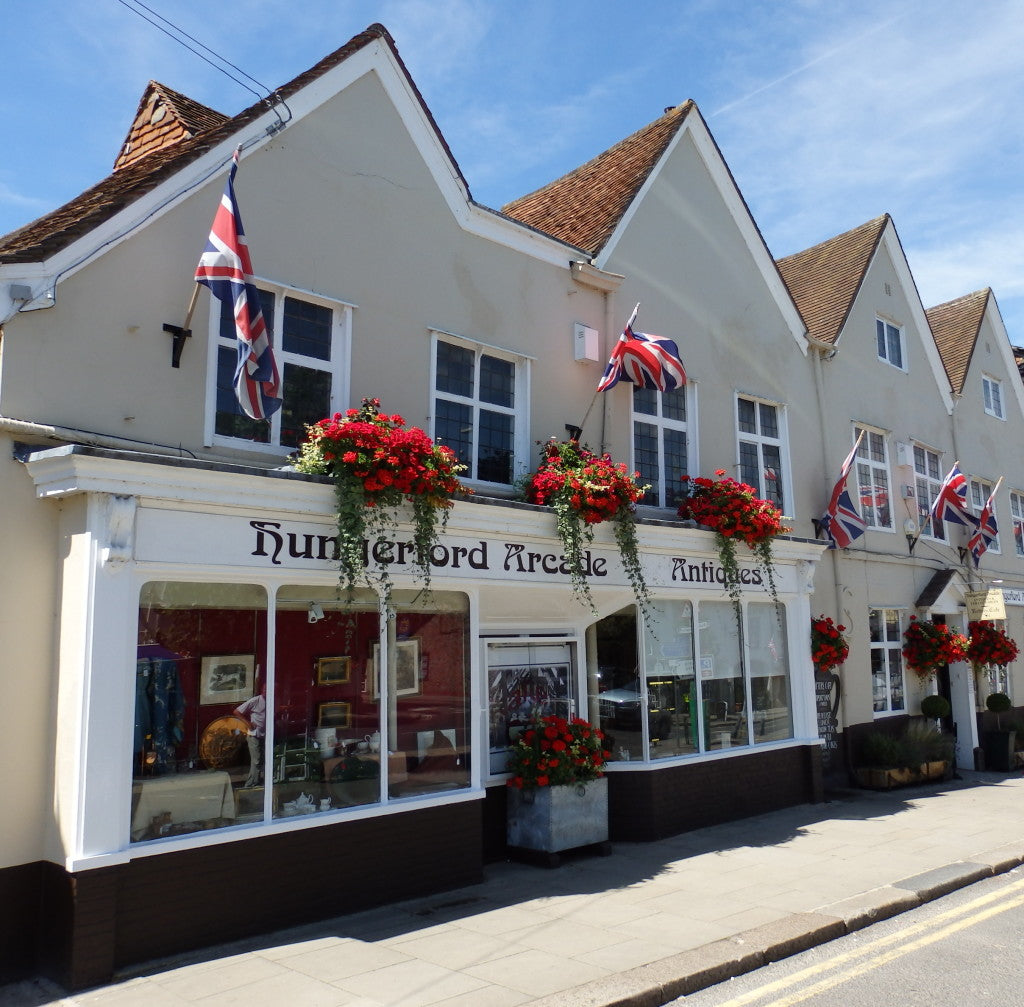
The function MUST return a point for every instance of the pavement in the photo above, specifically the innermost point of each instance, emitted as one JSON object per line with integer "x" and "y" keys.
{"x": 639, "y": 928}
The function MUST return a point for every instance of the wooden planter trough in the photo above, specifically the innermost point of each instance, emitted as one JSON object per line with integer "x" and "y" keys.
{"x": 889, "y": 779}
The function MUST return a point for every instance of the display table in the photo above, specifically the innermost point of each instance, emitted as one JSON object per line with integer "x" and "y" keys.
{"x": 186, "y": 797}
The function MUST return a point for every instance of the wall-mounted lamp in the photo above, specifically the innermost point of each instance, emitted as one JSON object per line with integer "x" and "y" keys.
{"x": 316, "y": 612}
{"x": 910, "y": 530}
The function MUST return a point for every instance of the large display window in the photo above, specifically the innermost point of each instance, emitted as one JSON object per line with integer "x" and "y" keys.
{"x": 354, "y": 709}
{"x": 691, "y": 679}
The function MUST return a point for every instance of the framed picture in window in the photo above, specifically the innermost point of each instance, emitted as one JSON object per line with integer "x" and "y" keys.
{"x": 407, "y": 668}
{"x": 334, "y": 715}
{"x": 226, "y": 678}
{"x": 332, "y": 670}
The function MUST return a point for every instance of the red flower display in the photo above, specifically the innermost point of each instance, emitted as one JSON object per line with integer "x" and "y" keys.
{"x": 377, "y": 464}
{"x": 928, "y": 645}
{"x": 733, "y": 510}
{"x": 988, "y": 644}
{"x": 554, "y": 751}
{"x": 585, "y": 489}
{"x": 829, "y": 648}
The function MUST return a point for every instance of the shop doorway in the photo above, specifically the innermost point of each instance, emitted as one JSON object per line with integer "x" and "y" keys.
{"x": 525, "y": 678}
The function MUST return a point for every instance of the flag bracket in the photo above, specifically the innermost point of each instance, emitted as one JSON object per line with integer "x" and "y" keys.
{"x": 180, "y": 334}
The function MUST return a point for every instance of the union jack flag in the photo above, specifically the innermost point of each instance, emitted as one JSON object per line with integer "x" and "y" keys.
{"x": 648, "y": 361}
{"x": 987, "y": 531}
{"x": 225, "y": 268}
{"x": 841, "y": 523}
{"x": 951, "y": 502}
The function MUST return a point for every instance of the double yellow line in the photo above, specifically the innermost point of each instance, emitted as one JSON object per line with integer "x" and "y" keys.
{"x": 884, "y": 950}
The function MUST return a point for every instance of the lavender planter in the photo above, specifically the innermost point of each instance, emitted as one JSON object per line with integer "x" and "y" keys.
{"x": 552, "y": 819}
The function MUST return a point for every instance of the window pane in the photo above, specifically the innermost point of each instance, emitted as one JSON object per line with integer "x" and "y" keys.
{"x": 723, "y": 695}
{"x": 428, "y": 705}
{"x": 307, "y": 399}
{"x": 497, "y": 381}
{"x": 895, "y": 349}
{"x": 645, "y": 400}
{"x": 673, "y": 404}
{"x": 879, "y": 681}
{"x": 227, "y": 315}
{"x": 453, "y": 426}
{"x": 987, "y": 388}
{"x": 306, "y": 329}
{"x": 455, "y": 366}
{"x": 750, "y": 465}
{"x": 671, "y": 685}
{"x": 198, "y": 739}
{"x": 230, "y": 421}
{"x": 772, "y": 714}
{"x": 494, "y": 448}
{"x": 769, "y": 420}
{"x": 326, "y": 702}
{"x": 773, "y": 475}
{"x": 896, "y": 701}
{"x": 880, "y": 337}
{"x": 645, "y": 453}
{"x": 997, "y": 399}
{"x": 616, "y": 699}
{"x": 675, "y": 466}
{"x": 746, "y": 416}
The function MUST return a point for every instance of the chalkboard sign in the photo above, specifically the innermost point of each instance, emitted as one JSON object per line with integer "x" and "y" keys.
{"x": 827, "y": 690}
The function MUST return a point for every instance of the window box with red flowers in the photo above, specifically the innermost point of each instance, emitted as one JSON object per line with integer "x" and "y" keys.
{"x": 584, "y": 490}
{"x": 829, "y": 647}
{"x": 927, "y": 646}
{"x": 377, "y": 465}
{"x": 557, "y": 794}
{"x": 733, "y": 510}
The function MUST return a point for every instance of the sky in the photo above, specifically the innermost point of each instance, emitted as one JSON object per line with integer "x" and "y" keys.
{"x": 828, "y": 112}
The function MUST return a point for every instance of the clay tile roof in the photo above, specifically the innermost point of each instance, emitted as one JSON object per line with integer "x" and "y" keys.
{"x": 824, "y": 279}
{"x": 955, "y": 326}
{"x": 584, "y": 207}
{"x": 40, "y": 239}
{"x": 164, "y": 117}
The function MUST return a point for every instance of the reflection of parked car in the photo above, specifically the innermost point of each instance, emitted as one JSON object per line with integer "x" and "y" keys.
{"x": 621, "y": 708}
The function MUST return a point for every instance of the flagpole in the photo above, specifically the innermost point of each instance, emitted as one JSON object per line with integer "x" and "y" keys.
{"x": 182, "y": 332}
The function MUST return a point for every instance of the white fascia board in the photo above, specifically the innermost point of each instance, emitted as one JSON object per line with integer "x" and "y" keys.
{"x": 891, "y": 242}
{"x": 739, "y": 212}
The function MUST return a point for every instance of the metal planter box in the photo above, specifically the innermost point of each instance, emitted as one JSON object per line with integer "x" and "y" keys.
{"x": 552, "y": 819}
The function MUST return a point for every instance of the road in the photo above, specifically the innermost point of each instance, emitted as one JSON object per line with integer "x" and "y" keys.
{"x": 962, "y": 950}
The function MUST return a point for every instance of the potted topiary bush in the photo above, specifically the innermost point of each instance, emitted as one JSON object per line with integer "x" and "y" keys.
{"x": 935, "y": 707}
{"x": 999, "y": 744}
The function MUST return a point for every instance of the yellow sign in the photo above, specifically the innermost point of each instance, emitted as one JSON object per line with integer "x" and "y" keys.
{"x": 985, "y": 605}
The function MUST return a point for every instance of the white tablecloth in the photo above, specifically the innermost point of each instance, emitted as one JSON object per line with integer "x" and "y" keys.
{"x": 189, "y": 797}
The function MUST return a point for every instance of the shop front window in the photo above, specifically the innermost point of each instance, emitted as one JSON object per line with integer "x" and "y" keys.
{"x": 735, "y": 692}
{"x": 361, "y": 715}
{"x": 200, "y": 707}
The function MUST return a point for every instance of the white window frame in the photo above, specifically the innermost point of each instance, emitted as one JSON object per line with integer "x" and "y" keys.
{"x": 759, "y": 440}
{"x": 884, "y": 333}
{"x": 1017, "y": 517}
{"x": 520, "y": 410}
{"x": 874, "y": 467}
{"x": 337, "y": 366}
{"x": 662, "y": 423}
{"x": 886, "y": 647}
{"x": 992, "y": 392}
{"x": 980, "y": 491}
{"x": 926, "y": 488}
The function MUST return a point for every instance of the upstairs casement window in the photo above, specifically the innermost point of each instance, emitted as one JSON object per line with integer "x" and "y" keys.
{"x": 980, "y": 491}
{"x": 993, "y": 393}
{"x": 873, "y": 482}
{"x": 661, "y": 444}
{"x": 480, "y": 407}
{"x": 311, "y": 343}
{"x": 891, "y": 346}
{"x": 761, "y": 444}
{"x": 1017, "y": 516}
{"x": 927, "y": 483}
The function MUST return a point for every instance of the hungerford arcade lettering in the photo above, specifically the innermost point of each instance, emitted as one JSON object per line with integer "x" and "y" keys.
{"x": 278, "y": 545}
